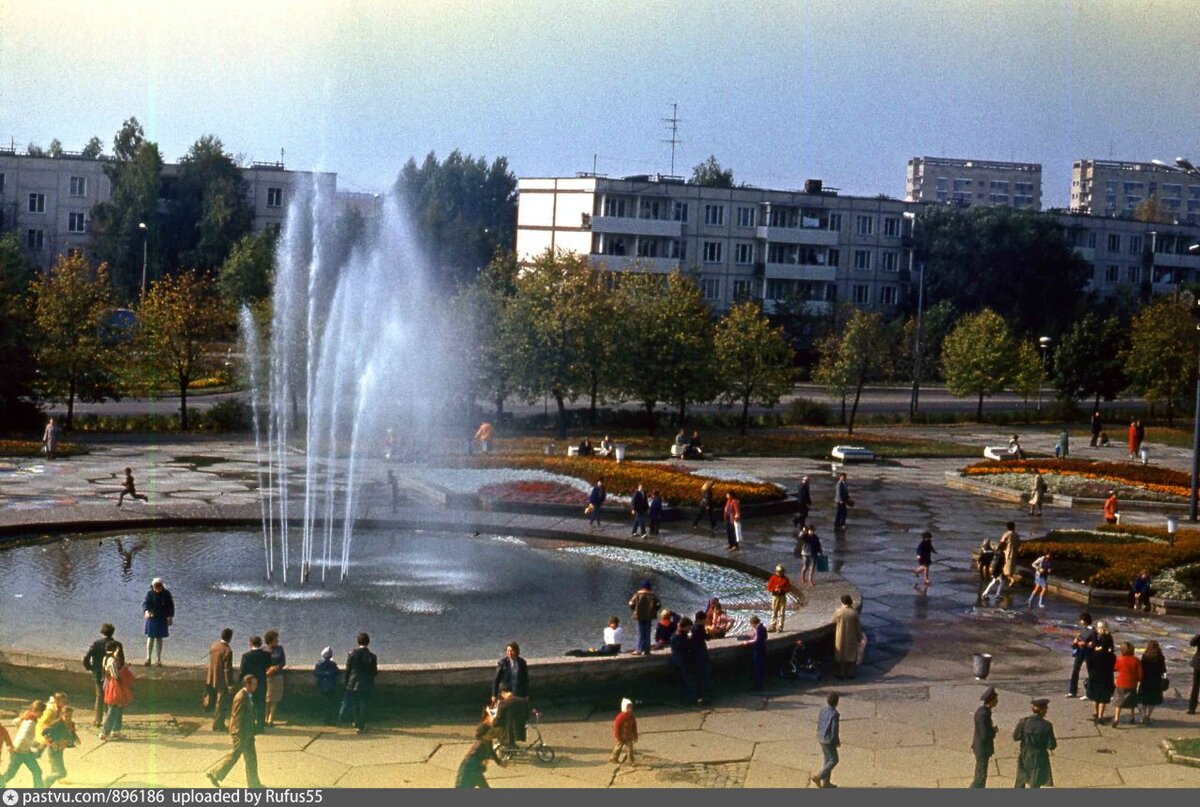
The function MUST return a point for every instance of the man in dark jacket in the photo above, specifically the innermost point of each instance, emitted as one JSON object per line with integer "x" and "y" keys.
{"x": 512, "y": 670}
{"x": 361, "y": 668}
{"x": 644, "y": 604}
{"x": 803, "y": 505}
{"x": 639, "y": 507}
{"x": 1036, "y": 736}
{"x": 93, "y": 662}
{"x": 255, "y": 661}
{"x": 1081, "y": 648}
{"x": 983, "y": 744}
{"x": 241, "y": 732}
{"x": 1097, "y": 427}
{"x": 218, "y": 681}
{"x": 681, "y": 661}
{"x": 1191, "y": 710}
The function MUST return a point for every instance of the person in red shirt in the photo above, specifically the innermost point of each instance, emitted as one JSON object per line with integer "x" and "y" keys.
{"x": 1129, "y": 673}
{"x": 1110, "y": 508}
{"x": 733, "y": 521}
{"x": 777, "y": 586}
{"x": 624, "y": 732}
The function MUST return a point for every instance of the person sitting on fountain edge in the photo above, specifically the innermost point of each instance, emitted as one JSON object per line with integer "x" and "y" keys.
{"x": 612, "y": 641}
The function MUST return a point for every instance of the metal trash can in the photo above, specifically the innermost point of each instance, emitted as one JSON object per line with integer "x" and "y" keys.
{"x": 982, "y": 664}
{"x": 619, "y": 451}
{"x": 1145, "y": 454}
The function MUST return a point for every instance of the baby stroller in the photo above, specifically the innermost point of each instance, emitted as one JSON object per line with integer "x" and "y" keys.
{"x": 508, "y": 748}
{"x": 801, "y": 666}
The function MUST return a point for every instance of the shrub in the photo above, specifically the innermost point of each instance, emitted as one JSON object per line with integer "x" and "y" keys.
{"x": 229, "y": 415}
{"x": 807, "y": 412}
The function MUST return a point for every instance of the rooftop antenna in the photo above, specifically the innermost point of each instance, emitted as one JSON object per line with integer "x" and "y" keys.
{"x": 674, "y": 139}
{"x": 281, "y": 157}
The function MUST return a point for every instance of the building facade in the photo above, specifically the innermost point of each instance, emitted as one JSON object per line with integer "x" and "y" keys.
{"x": 974, "y": 183}
{"x": 1115, "y": 189}
{"x": 813, "y": 246}
{"x": 1142, "y": 257}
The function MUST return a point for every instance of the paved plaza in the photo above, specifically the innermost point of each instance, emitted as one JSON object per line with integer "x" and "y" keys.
{"x": 906, "y": 717}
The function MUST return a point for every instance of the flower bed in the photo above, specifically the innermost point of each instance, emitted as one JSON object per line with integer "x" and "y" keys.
{"x": 1150, "y": 478}
{"x": 531, "y": 491}
{"x": 33, "y": 448}
{"x": 1119, "y": 551}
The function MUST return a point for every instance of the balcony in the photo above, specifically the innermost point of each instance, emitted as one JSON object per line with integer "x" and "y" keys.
{"x": 791, "y": 271}
{"x": 813, "y": 236}
{"x": 662, "y": 228}
{"x": 816, "y": 308}
{"x": 632, "y": 263}
{"x": 1174, "y": 259}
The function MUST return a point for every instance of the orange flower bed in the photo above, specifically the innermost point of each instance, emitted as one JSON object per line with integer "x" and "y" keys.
{"x": 1160, "y": 480}
{"x": 1125, "y": 555}
{"x": 623, "y": 479}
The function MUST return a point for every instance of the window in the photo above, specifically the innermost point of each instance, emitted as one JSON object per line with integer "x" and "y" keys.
{"x": 1091, "y": 242}
{"x": 79, "y": 186}
{"x": 741, "y": 289}
{"x": 274, "y": 197}
{"x": 744, "y": 254}
{"x": 35, "y": 239}
{"x": 779, "y": 289}
{"x": 1135, "y": 245}
{"x": 647, "y": 248}
{"x": 614, "y": 207}
{"x": 962, "y": 185}
{"x": 887, "y": 295}
{"x": 1, "y": 183}
{"x": 862, "y": 259}
{"x": 834, "y": 257}
{"x": 1135, "y": 274}
{"x": 680, "y": 212}
{"x": 890, "y": 262}
{"x": 745, "y": 217}
{"x": 891, "y": 227}
{"x": 678, "y": 249}
{"x": 648, "y": 209}
{"x": 37, "y": 203}
{"x": 710, "y": 288}
{"x": 1114, "y": 242}
{"x": 835, "y": 221}
{"x": 714, "y": 215}
{"x": 1000, "y": 186}
{"x": 1172, "y": 190}
{"x": 860, "y": 293}
{"x": 1113, "y": 274}
{"x": 864, "y": 225}
{"x": 712, "y": 251}
{"x": 75, "y": 222}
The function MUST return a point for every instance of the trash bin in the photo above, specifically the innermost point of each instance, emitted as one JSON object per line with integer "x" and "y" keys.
{"x": 619, "y": 451}
{"x": 982, "y": 664}
{"x": 548, "y": 449}
{"x": 1145, "y": 456}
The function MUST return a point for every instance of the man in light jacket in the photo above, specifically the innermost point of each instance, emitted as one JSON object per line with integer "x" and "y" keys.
{"x": 828, "y": 724}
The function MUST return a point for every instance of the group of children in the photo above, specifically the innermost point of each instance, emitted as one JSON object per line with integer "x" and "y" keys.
{"x": 45, "y": 726}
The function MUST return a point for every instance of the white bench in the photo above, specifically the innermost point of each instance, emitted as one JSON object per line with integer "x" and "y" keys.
{"x": 677, "y": 450}
{"x": 852, "y": 454}
{"x": 998, "y": 453}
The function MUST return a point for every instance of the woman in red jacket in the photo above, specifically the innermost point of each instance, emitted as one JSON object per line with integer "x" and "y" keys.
{"x": 1129, "y": 673}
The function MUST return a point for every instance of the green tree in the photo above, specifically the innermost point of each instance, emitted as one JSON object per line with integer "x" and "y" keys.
{"x": 210, "y": 212}
{"x": 71, "y": 300}
{"x": 34, "y": 150}
{"x": 1088, "y": 361}
{"x": 16, "y": 382}
{"x": 179, "y": 320}
{"x": 93, "y": 150}
{"x": 936, "y": 322}
{"x": 1161, "y": 359}
{"x": 860, "y": 354}
{"x": 832, "y": 371}
{"x": 710, "y": 174}
{"x": 465, "y": 211}
{"x": 482, "y": 306}
{"x": 135, "y": 173}
{"x": 1029, "y": 371}
{"x": 754, "y": 358}
{"x": 245, "y": 276}
{"x": 55, "y": 149}
{"x": 978, "y": 357}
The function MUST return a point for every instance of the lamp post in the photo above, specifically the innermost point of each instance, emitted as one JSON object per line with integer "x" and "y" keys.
{"x": 912, "y": 263}
{"x": 1043, "y": 343}
{"x": 145, "y": 252}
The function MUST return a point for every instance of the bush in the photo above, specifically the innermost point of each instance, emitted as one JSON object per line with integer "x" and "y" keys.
{"x": 229, "y": 415}
{"x": 807, "y": 412}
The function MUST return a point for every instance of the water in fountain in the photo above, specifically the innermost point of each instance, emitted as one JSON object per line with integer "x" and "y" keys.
{"x": 357, "y": 347}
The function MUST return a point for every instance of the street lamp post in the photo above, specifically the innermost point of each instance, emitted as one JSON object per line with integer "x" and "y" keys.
{"x": 913, "y": 263}
{"x": 145, "y": 252}
{"x": 1043, "y": 343}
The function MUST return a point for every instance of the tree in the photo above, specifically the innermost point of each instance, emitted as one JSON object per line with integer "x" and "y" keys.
{"x": 210, "y": 212}
{"x": 1029, "y": 371}
{"x": 93, "y": 150}
{"x": 135, "y": 173}
{"x": 978, "y": 357}
{"x": 128, "y": 140}
{"x": 1152, "y": 210}
{"x": 710, "y": 174}
{"x": 936, "y": 322}
{"x": 1161, "y": 359}
{"x": 482, "y": 306}
{"x": 16, "y": 382}
{"x": 55, "y": 149}
{"x": 465, "y": 211}
{"x": 1088, "y": 362}
{"x": 34, "y": 150}
{"x": 71, "y": 301}
{"x": 754, "y": 359}
{"x": 178, "y": 320}
{"x": 862, "y": 353}
{"x": 245, "y": 276}
{"x": 832, "y": 371}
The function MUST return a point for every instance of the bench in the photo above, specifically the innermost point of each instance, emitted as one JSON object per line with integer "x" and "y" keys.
{"x": 999, "y": 453}
{"x": 677, "y": 451}
{"x": 572, "y": 451}
{"x": 852, "y": 454}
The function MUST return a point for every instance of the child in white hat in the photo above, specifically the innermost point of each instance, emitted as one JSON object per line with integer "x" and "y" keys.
{"x": 624, "y": 732}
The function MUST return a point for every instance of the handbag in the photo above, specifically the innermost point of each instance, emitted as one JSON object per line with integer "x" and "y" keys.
{"x": 1166, "y": 682}
{"x": 591, "y": 508}
{"x": 822, "y": 562}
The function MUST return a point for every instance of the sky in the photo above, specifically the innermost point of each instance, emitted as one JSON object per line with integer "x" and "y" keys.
{"x": 841, "y": 90}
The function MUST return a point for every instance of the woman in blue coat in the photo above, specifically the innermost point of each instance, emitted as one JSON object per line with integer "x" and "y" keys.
{"x": 158, "y": 609}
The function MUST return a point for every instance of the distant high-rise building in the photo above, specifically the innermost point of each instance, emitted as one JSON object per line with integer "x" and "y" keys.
{"x": 974, "y": 183}
{"x": 1115, "y": 189}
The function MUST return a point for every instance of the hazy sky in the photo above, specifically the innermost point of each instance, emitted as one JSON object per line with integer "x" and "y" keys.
{"x": 842, "y": 90}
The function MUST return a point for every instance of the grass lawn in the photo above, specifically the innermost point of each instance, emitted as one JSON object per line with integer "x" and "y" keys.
{"x": 33, "y": 448}
{"x": 1188, "y": 747}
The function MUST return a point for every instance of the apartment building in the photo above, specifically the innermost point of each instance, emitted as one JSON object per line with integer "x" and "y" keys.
{"x": 48, "y": 201}
{"x": 1141, "y": 256}
{"x": 974, "y": 183}
{"x": 813, "y": 245}
{"x": 1115, "y": 188}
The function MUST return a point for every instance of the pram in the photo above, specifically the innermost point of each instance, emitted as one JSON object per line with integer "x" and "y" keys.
{"x": 510, "y": 748}
{"x": 801, "y": 665}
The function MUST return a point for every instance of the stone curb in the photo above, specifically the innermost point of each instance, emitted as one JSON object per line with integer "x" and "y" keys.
{"x": 1175, "y": 757}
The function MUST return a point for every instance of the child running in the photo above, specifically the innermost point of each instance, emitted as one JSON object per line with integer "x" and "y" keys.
{"x": 925, "y": 553}
{"x": 128, "y": 488}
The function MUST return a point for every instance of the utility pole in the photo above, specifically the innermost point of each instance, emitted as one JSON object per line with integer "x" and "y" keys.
{"x": 674, "y": 138}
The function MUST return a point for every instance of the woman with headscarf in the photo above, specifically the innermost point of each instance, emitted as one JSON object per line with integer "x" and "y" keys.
{"x": 326, "y": 672}
{"x": 1100, "y": 666}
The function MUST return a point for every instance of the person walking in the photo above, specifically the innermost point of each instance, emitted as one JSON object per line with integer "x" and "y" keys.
{"x": 925, "y": 553}
{"x": 325, "y": 671}
{"x": 1139, "y": 433}
{"x": 701, "y": 663}
{"x": 1111, "y": 516}
{"x": 656, "y": 512}
{"x": 1036, "y": 735}
{"x": 625, "y": 733}
{"x": 470, "y": 770}
{"x": 512, "y": 670}
{"x": 847, "y": 635}
{"x": 242, "y": 722}
{"x": 1039, "y": 494}
{"x": 986, "y": 553}
{"x": 983, "y": 743}
{"x": 758, "y": 653}
{"x": 644, "y": 605}
{"x": 118, "y": 691}
{"x": 484, "y": 435}
{"x": 778, "y": 586}
{"x": 803, "y": 504}
{"x": 841, "y": 501}
{"x": 681, "y": 661}
{"x": 129, "y": 488}
{"x": 158, "y": 610}
{"x": 639, "y": 507}
{"x": 1081, "y": 649}
{"x": 999, "y": 561}
{"x": 829, "y": 737}
{"x": 274, "y": 693}
{"x": 21, "y": 750}
{"x": 1134, "y": 444}
{"x": 733, "y": 521}
{"x": 50, "y": 439}
{"x": 58, "y": 736}
{"x": 255, "y": 661}
{"x": 218, "y": 680}
{"x": 1097, "y": 427}
{"x": 1129, "y": 675}
{"x": 1042, "y": 567}
{"x": 707, "y": 507}
{"x": 93, "y": 662}
{"x": 1154, "y": 679}
{"x": 1195, "y": 642}
{"x": 1100, "y": 666}
{"x": 596, "y": 497}
{"x": 810, "y": 548}
{"x": 361, "y": 668}
{"x": 1010, "y": 541}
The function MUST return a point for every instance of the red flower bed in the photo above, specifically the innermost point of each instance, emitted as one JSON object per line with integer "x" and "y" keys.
{"x": 531, "y": 491}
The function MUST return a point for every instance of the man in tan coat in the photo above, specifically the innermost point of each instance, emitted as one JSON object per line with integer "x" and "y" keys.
{"x": 218, "y": 681}
{"x": 846, "y": 637}
{"x": 241, "y": 732}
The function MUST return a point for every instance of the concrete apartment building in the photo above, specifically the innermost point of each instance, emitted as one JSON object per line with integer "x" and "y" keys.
{"x": 48, "y": 201}
{"x": 773, "y": 245}
{"x": 974, "y": 183}
{"x": 1114, "y": 188}
{"x": 1140, "y": 256}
